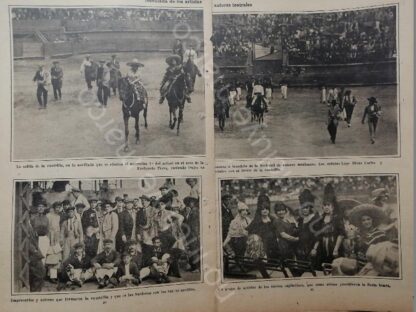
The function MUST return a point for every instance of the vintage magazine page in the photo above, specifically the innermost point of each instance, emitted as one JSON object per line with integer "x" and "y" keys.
{"x": 313, "y": 145}
{"x": 107, "y": 160}
{"x": 189, "y": 155}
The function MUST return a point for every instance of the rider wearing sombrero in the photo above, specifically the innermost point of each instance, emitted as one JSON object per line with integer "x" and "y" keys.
{"x": 174, "y": 70}
{"x": 134, "y": 78}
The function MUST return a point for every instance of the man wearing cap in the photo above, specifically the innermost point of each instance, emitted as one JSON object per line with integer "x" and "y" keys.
{"x": 114, "y": 73}
{"x": 76, "y": 269}
{"x": 119, "y": 204}
{"x": 41, "y": 79}
{"x": 71, "y": 232}
{"x": 173, "y": 73}
{"x": 103, "y": 82}
{"x": 90, "y": 216}
{"x": 128, "y": 273}
{"x": 127, "y": 226}
{"x": 134, "y": 78}
{"x": 146, "y": 228}
{"x": 106, "y": 265}
{"x": 87, "y": 69}
{"x": 373, "y": 112}
{"x": 57, "y": 75}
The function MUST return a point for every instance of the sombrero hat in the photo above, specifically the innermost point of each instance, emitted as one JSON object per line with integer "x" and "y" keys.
{"x": 348, "y": 204}
{"x": 175, "y": 57}
{"x": 372, "y": 211}
{"x": 379, "y": 192}
{"x": 135, "y": 62}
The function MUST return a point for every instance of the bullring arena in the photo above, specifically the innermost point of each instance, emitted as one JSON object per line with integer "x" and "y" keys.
{"x": 75, "y": 127}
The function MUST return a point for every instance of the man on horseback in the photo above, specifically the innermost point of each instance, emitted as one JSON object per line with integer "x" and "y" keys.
{"x": 178, "y": 48}
{"x": 258, "y": 95}
{"x": 173, "y": 72}
{"x": 133, "y": 76}
{"x": 190, "y": 53}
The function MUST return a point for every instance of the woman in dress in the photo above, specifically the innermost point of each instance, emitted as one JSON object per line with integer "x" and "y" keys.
{"x": 40, "y": 225}
{"x": 306, "y": 248}
{"x": 367, "y": 218}
{"x": 286, "y": 232}
{"x": 330, "y": 229}
{"x": 237, "y": 233}
{"x": 262, "y": 226}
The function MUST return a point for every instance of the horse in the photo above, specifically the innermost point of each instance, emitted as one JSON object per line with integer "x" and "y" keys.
{"x": 175, "y": 94}
{"x": 191, "y": 70}
{"x": 258, "y": 108}
{"x": 132, "y": 106}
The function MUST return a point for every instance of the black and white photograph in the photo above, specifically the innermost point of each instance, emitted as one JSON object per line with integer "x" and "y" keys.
{"x": 310, "y": 227}
{"x": 307, "y": 84}
{"x": 91, "y": 82}
{"x": 84, "y": 235}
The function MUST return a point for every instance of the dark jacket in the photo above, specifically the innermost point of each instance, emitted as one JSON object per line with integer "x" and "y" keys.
{"x": 134, "y": 270}
{"x": 112, "y": 257}
{"x": 126, "y": 224}
{"x": 84, "y": 263}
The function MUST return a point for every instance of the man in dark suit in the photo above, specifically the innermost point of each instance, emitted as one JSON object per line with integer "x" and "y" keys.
{"x": 57, "y": 75}
{"x": 106, "y": 264}
{"x": 103, "y": 82}
{"x": 76, "y": 269}
{"x": 128, "y": 272}
{"x": 127, "y": 226}
{"x": 41, "y": 79}
{"x": 157, "y": 262}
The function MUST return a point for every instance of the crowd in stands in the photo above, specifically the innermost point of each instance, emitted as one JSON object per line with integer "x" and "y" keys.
{"x": 335, "y": 225}
{"x": 321, "y": 38}
{"x": 293, "y": 186}
{"x": 114, "y": 242}
{"x": 88, "y": 14}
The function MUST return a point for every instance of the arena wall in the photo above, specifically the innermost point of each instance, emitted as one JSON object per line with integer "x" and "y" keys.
{"x": 106, "y": 41}
{"x": 360, "y": 74}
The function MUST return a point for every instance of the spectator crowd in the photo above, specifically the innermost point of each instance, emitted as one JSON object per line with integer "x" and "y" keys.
{"x": 320, "y": 38}
{"x": 88, "y": 14}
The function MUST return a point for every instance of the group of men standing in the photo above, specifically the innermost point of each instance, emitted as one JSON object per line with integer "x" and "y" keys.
{"x": 118, "y": 243}
{"x": 106, "y": 74}
{"x": 43, "y": 78}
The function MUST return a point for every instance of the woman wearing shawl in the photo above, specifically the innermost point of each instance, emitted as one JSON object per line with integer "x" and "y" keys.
{"x": 330, "y": 229}
{"x": 262, "y": 226}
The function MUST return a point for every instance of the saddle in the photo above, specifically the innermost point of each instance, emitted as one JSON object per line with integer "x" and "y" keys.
{"x": 167, "y": 86}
